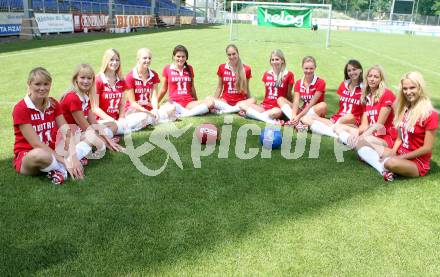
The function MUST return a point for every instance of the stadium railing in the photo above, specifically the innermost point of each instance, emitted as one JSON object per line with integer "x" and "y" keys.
{"x": 163, "y": 7}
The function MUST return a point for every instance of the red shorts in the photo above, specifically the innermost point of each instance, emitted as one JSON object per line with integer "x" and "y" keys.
{"x": 423, "y": 165}
{"x": 267, "y": 106}
{"x": 128, "y": 107}
{"x": 18, "y": 159}
{"x": 388, "y": 139}
{"x": 336, "y": 117}
{"x": 232, "y": 101}
{"x": 182, "y": 103}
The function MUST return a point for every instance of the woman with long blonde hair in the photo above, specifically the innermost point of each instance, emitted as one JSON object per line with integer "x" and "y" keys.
{"x": 233, "y": 84}
{"x": 109, "y": 88}
{"x": 376, "y": 129}
{"x": 75, "y": 104}
{"x": 278, "y": 83}
{"x": 417, "y": 122}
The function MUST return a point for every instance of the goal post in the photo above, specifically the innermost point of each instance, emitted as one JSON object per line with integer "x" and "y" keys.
{"x": 280, "y": 22}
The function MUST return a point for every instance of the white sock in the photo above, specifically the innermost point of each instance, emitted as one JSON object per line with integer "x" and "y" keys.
{"x": 287, "y": 110}
{"x": 224, "y": 107}
{"x": 197, "y": 110}
{"x": 179, "y": 109}
{"x": 311, "y": 112}
{"x": 321, "y": 128}
{"x": 136, "y": 121}
{"x": 165, "y": 117}
{"x": 372, "y": 158}
{"x": 121, "y": 129}
{"x": 151, "y": 120}
{"x": 343, "y": 137}
{"x": 252, "y": 113}
{"x": 232, "y": 109}
{"x": 108, "y": 132}
{"x": 82, "y": 149}
{"x": 220, "y": 105}
{"x": 54, "y": 165}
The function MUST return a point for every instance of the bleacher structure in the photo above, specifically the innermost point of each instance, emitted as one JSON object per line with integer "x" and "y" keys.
{"x": 162, "y": 7}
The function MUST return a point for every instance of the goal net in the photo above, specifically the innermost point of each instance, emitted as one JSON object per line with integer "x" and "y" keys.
{"x": 280, "y": 22}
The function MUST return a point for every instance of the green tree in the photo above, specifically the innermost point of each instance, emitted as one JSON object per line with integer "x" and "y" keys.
{"x": 436, "y": 7}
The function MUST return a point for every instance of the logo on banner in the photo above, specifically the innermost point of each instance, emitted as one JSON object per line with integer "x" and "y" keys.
{"x": 278, "y": 17}
{"x": 284, "y": 19}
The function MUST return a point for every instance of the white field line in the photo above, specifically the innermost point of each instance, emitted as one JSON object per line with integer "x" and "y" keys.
{"x": 8, "y": 103}
{"x": 419, "y": 68}
{"x": 45, "y": 49}
{"x": 51, "y": 48}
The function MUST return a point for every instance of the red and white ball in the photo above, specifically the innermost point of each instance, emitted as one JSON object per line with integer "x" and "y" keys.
{"x": 207, "y": 133}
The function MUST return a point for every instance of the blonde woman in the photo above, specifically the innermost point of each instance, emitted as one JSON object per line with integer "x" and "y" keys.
{"x": 142, "y": 104}
{"x": 75, "y": 105}
{"x": 278, "y": 83}
{"x": 37, "y": 119}
{"x": 417, "y": 122}
{"x": 376, "y": 129}
{"x": 310, "y": 90}
{"x": 233, "y": 84}
{"x": 108, "y": 105}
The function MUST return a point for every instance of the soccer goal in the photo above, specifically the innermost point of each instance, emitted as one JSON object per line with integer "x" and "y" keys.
{"x": 280, "y": 22}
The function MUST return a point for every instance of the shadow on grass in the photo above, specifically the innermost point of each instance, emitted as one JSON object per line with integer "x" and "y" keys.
{"x": 63, "y": 39}
{"x": 122, "y": 221}
{"x": 29, "y": 259}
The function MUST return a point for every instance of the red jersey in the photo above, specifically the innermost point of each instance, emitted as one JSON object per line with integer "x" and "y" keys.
{"x": 372, "y": 111}
{"x": 349, "y": 101}
{"x": 142, "y": 90}
{"x": 179, "y": 84}
{"x": 73, "y": 101}
{"x": 271, "y": 91}
{"x": 109, "y": 96}
{"x": 43, "y": 123}
{"x": 230, "y": 93}
{"x": 307, "y": 93}
{"x": 414, "y": 138}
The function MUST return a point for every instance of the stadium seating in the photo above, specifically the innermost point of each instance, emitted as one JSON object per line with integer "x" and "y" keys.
{"x": 165, "y": 7}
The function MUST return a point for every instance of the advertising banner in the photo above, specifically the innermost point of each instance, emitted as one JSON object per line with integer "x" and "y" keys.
{"x": 89, "y": 22}
{"x": 277, "y": 17}
{"x": 54, "y": 22}
{"x": 10, "y": 23}
{"x": 132, "y": 21}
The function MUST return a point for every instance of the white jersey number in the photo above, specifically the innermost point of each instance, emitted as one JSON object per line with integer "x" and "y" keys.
{"x": 45, "y": 134}
{"x": 273, "y": 92}
{"x": 114, "y": 103}
{"x": 346, "y": 108}
{"x": 181, "y": 88}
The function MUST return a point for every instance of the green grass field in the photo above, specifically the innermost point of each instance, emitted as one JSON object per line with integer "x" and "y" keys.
{"x": 268, "y": 217}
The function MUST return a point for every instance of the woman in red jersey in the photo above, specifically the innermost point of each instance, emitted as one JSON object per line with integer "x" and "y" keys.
{"x": 108, "y": 105}
{"x": 376, "y": 128}
{"x": 417, "y": 122}
{"x": 142, "y": 83}
{"x": 37, "y": 119}
{"x": 350, "y": 107}
{"x": 178, "y": 81}
{"x": 278, "y": 83}
{"x": 233, "y": 84}
{"x": 310, "y": 90}
{"x": 75, "y": 104}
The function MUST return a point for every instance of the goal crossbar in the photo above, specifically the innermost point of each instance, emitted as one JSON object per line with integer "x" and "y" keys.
{"x": 270, "y": 4}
